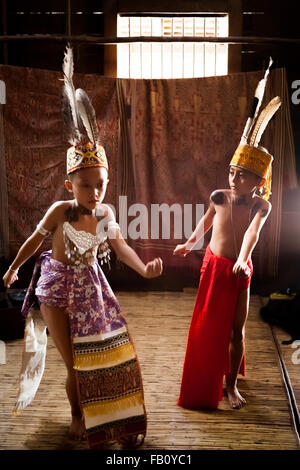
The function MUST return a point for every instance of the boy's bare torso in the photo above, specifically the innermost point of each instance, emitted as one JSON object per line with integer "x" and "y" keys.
{"x": 231, "y": 219}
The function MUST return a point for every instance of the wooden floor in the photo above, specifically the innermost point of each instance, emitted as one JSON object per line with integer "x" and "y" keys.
{"x": 159, "y": 325}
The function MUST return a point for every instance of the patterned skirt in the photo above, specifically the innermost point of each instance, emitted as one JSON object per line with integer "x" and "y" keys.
{"x": 107, "y": 369}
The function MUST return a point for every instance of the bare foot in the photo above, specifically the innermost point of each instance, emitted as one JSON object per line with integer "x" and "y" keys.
{"x": 236, "y": 400}
{"x": 77, "y": 429}
{"x": 132, "y": 442}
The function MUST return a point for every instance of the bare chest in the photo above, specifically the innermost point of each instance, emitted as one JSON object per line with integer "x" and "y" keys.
{"x": 238, "y": 216}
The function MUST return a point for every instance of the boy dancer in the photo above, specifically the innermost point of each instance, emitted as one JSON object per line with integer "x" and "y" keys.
{"x": 216, "y": 337}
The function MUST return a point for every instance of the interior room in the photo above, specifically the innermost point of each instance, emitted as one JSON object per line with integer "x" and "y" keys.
{"x": 150, "y": 225}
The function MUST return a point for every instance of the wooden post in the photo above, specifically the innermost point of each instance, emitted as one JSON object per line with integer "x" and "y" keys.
{"x": 4, "y": 225}
{"x": 4, "y": 31}
{"x": 110, "y": 12}
{"x": 235, "y": 29}
{"x": 68, "y": 18}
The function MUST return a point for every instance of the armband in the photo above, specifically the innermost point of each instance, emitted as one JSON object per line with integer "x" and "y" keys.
{"x": 42, "y": 230}
{"x": 112, "y": 227}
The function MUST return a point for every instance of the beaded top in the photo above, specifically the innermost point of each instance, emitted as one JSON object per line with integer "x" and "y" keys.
{"x": 83, "y": 240}
{"x": 81, "y": 247}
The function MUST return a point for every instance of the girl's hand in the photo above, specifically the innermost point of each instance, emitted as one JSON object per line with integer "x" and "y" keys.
{"x": 154, "y": 268}
{"x": 241, "y": 269}
{"x": 9, "y": 277}
{"x": 181, "y": 250}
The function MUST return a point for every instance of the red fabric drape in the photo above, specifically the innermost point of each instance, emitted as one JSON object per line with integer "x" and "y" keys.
{"x": 207, "y": 353}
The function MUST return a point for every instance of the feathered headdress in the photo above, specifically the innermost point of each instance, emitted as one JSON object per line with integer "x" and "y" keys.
{"x": 80, "y": 119}
{"x": 249, "y": 154}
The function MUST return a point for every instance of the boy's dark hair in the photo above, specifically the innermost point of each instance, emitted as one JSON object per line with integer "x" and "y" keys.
{"x": 70, "y": 176}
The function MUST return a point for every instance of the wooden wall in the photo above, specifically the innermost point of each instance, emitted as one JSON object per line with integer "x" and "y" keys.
{"x": 50, "y": 17}
{"x": 260, "y": 18}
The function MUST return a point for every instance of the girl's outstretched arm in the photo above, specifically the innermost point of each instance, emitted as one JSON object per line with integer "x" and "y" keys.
{"x": 127, "y": 255}
{"x": 31, "y": 245}
{"x": 28, "y": 248}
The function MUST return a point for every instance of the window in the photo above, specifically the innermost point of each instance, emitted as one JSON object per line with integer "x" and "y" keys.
{"x": 172, "y": 60}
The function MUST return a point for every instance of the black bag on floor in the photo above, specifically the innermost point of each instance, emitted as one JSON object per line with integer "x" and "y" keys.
{"x": 283, "y": 310}
{"x": 12, "y": 322}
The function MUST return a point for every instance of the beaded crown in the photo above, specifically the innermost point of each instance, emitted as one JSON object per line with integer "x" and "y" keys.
{"x": 85, "y": 157}
{"x": 258, "y": 161}
{"x": 80, "y": 119}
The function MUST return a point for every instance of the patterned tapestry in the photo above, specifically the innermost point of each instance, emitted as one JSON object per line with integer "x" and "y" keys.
{"x": 167, "y": 141}
{"x": 183, "y": 133}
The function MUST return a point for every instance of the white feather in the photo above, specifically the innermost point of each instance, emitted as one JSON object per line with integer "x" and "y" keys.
{"x": 259, "y": 94}
{"x": 68, "y": 70}
{"x": 263, "y": 120}
{"x": 260, "y": 89}
{"x": 87, "y": 115}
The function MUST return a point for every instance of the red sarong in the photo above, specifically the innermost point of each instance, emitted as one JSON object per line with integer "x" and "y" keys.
{"x": 207, "y": 353}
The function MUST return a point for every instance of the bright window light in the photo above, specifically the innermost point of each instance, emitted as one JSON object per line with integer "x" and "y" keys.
{"x": 174, "y": 60}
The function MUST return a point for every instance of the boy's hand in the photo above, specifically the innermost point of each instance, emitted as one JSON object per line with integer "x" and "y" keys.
{"x": 241, "y": 269}
{"x": 181, "y": 250}
{"x": 154, "y": 268}
{"x": 10, "y": 277}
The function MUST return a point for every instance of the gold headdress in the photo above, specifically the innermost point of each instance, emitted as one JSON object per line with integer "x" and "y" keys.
{"x": 249, "y": 155}
{"x": 80, "y": 118}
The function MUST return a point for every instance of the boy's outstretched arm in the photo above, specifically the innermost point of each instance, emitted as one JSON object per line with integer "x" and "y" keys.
{"x": 203, "y": 226}
{"x": 250, "y": 239}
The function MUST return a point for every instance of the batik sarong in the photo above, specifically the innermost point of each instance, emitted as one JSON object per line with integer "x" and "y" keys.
{"x": 207, "y": 353}
{"x": 108, "y": 373}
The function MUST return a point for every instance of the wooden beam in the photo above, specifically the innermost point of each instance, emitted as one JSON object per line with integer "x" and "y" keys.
{"x": 118, "y": 40}
{"x": 171, "y": 6}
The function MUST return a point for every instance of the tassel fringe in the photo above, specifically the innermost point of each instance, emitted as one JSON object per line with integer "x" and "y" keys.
{"x": 117, "y": 355}
{"x": 113, "y": 406}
